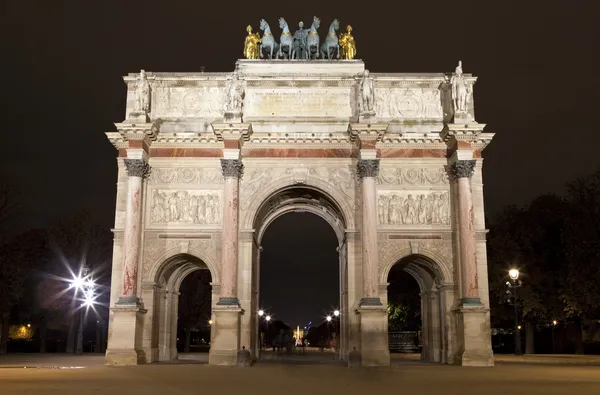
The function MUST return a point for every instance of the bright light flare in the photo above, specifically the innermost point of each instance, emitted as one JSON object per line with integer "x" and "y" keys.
{"x": 77, "y": 282}
{"x": 268, "y": 318}
{"x": 513, "y": 274}
{"x": 261, "y": 313}
{"x": 328, "y": 318}
{"x": 336, "y": 313}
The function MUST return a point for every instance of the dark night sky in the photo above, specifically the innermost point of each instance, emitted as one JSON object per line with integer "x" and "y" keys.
{"x": 62, "y": 63}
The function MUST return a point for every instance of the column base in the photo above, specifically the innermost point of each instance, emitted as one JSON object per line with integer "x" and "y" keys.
{"x": 125, "y": 335}
{"x": 374, "y": 349}
{"x": 226, "y": 344}
{"x": 475, "y": 335}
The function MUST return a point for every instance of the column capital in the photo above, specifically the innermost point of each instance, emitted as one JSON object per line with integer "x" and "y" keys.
{"x": 367, "y": 168}
{"x": 232, "y": 167}
{"x": 137, "y": 168}
{"x": 462, "y": 169}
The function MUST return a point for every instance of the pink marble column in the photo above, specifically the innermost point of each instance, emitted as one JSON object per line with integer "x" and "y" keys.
{"x": 461, "y": 171}
{"x": 232, "y": 170}
{"x": 137, "y": 170}
{"x": 367, "y": 171}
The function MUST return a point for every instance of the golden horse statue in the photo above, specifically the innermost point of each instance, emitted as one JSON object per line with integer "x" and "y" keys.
{"x": 347, "y": 44}
{"x": 251, "y": 44}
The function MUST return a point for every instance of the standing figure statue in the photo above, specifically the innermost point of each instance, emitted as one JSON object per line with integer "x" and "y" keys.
{"x": 461, "y": 90}
{"x": 142, "y": 94}
{"x": 347, "y": 45}
{"x": 367, "y": 93}
{"x": 268, "y": 42}
{"x": 312, "y": 41}
{"x": 300, "y": 38}
{"x": 251, "y": 49}
{"x": 235, "y": 91}
{"x": 286, "y": 41}
{"x": 331, "y": 44}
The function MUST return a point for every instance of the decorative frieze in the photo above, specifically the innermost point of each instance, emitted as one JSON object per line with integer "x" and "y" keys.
{"x": 137, "y": 168}
{"x": 186, "y": 175}
{"x": 412, "y": 176}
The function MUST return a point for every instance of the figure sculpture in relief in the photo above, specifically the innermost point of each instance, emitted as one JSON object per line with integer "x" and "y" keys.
{"x": 235, "y": 93}
{"x": 251, "y": 44}
{"x": 286, "y": 41}
{"x": 367, "y": 93}
{"x": 432, "y": 209}
{"x": 142, "y": 94}
{"x": 461, "y": 90}
{"x": 312, "y": 41}
{"x": 347, "y": 45}
{"x": 300, "y": 42}
{"x": 268, "y": 43}
{"x": 331, "y": 45}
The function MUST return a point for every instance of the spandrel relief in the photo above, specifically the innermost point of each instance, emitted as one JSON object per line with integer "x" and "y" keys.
{"x": 185, "y": 207}
{"x": 413, "y": 208}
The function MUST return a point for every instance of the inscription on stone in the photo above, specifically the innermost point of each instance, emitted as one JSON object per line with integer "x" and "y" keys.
{"x": 298, "y": 102}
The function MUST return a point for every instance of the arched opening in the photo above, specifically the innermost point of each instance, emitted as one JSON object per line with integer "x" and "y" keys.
{"x": 415, "y": 308}
{"x": 183, "y": 309}
{"x": 299, "y": 270}
{"x": 194, "y": 315}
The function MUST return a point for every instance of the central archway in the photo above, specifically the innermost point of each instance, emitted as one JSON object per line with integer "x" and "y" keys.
{"x": 301, "y": 199}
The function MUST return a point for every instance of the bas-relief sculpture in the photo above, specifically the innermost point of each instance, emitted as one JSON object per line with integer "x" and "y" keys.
{"x": 185, "y": 207}
{"x": 411, "y": 103}
{"x": 413, "y": 208}
{"x": 340, "y": 179}
{"x": 412, "y": 176}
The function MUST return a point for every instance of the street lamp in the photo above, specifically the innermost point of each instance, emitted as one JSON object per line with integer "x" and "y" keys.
{"x": 553, "y": 343}
{"x": 514, "y": 284}
{"x": 336, "y": 313}
{"x": 86, "y": 285}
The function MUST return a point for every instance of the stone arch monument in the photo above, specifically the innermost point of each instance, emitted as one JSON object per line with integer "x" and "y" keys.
{"x": 384, "y": 158}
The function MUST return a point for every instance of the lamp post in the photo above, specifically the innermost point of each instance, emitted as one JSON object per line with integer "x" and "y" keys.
{"x": 86, "y": 285}
{"x": 514, "y": 284}
{"x": 553, "y": 343}
{"x": 258, "y": 342}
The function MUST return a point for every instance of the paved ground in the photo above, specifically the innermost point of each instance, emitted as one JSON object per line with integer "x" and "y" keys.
{"x": 404, "y": 377}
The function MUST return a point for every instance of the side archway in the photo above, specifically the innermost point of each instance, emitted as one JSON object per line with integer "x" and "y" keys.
{"x": 168, "y": 276}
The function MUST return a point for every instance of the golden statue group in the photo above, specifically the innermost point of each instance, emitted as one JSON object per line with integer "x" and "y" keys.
{"x": 303, "y": 45}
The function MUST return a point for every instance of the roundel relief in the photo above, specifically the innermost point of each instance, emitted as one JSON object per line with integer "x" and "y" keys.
{"x": 409, "y": 106}
{"x": 191, "y": 103}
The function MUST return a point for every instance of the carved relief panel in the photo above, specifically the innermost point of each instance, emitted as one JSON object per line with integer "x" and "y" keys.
{"x": 202, "y": 101}
{"x": 185, "y": 207}
{"x": 413, "y": 207}
{"x": 408, "y": 103}
{"x": 412, "y": 176}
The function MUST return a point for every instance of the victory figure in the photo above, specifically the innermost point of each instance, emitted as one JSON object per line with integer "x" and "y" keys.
{"x": 461, "y": 90}
{"x": 300, "y": 39}
{"x": 142, "y": 94}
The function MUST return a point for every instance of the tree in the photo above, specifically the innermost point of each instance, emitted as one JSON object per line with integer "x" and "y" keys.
{"x": 531, "y": 240}
{"x": 194, "y": 303}
{"x": 17, "y": 257}
{"x": 582, "y": 241}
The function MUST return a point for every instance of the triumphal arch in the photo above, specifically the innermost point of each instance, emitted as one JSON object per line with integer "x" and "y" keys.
{"x": 391, "y": 161}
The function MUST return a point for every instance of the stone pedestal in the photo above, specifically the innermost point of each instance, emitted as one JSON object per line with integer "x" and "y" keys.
{"x": 474, "y": 329}
{"x": 125, "y": 346}
{"x": 373, "y": 336}
{"x": 226, "y": 344}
